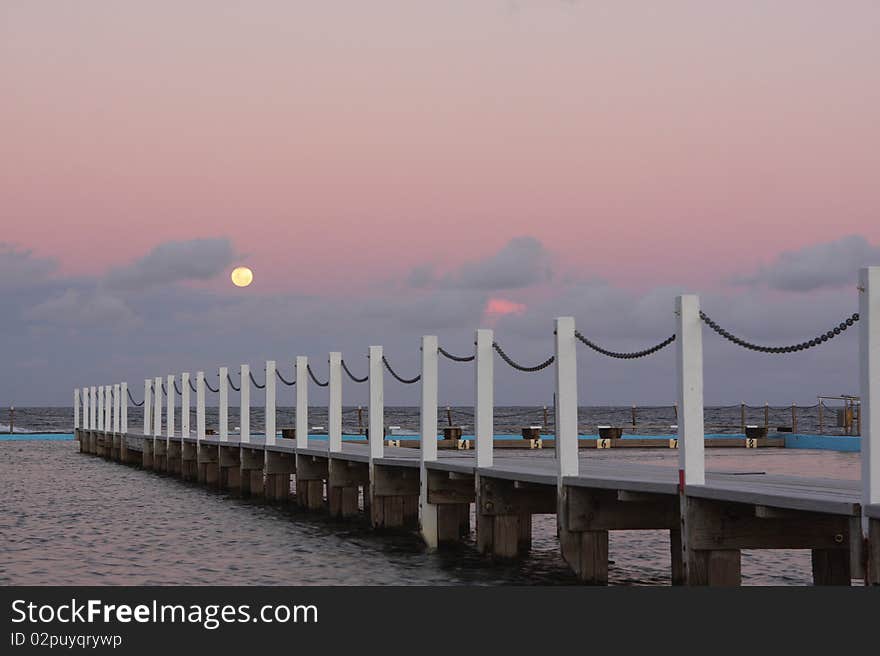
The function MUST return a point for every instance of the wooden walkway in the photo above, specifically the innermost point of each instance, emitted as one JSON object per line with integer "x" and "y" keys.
{"x": 730, "y": 512}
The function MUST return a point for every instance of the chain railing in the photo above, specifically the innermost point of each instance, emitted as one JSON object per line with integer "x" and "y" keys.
{"x": 254, "y": 381}
{"x": 633, "y": 355}
{"x": 455, "y": 358}
{"x": 775, "y": 350}
{"x": 405, "y": 381}
{"x": 231, "y": 384}
{"x": 352, "y": 376}
{"x": 289, "y": 383}
{"x": 314, "y": 378}
{"x": 519, "y": 367}
{"x": 131, "y": 398}
{"x": 215, "y": 391}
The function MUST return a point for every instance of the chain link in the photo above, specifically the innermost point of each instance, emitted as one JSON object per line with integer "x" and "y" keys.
{"x": 231, "y": 384}
{"x": 177, "y": 389}
{"x": 455, "y": 358}
{"x": 803, "y": 346}
{"x": 208, "y": 385}
{"x": 546, "y": 363}
{"x": 289, "y": 383}
{"x": 405, "y": 381}
{"x": 132, "y": 398}
{"x": 191, "y": 386}
{"x": 625, "y": 356}
{"x": 352, "y": 376}
{"x": 314, "y": 378}
{"x": 254, "y": 381}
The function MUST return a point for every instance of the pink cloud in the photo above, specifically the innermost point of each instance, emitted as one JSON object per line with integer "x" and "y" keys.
{"x": 499, "y": 307}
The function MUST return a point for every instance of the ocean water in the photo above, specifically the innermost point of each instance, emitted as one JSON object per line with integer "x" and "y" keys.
{"x": 508, "y": 420}
{"x": 71, "y": 519}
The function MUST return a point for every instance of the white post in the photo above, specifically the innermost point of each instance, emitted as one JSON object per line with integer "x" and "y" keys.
{"x": 148, "y": 406}
{"x": 376, "y": 428}
{"x": 200, "y": 406}
{"x": 428, "y": 430}
{"x": 302, "y": 402}
{"x": 869, "y": 373}
{"x": 123, "y": 397}
{"x": 117, "y": 407}
{"x": 223, "y": 409}
{"x": 108, "y": 407}
{"x": 93, "y": 407}
{"x": 170, "y": 411}
{"x": 689, "y": 381}
{"x": 334, "y": 409}
{"x": 184, "y": 404}
{"x": 484, "y": 411}
{"x": 566, "y": 399}
{"x": 100, "y": 407}
{"x": 85, "y": 408}
{"x": 270, "y": 401}
{"x": 245, "y": 396}
{"x": 76, "y": 408}
{"x": 157, "y": 407}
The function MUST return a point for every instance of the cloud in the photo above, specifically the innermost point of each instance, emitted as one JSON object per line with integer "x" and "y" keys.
{"x": 830, "y": 264}
{"x": 82, "y": 308}
{"x": 521, "y": 263}
{"x": 20, "y": 268}
{"x": 174, "y": 261}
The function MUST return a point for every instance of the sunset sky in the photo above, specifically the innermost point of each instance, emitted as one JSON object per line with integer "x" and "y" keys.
{"x": 396, "y": 168}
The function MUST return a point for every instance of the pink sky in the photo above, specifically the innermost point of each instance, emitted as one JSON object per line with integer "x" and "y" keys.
{"x": 332, "y": 141}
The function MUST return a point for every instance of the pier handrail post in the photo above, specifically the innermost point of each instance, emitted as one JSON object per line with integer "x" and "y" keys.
{"x": 869, "y": 388}
{"x": 484, "y": 429}
{"x": 376, "y": 411}
{"x": 100, "y": 407}
{"x": 170, "y": 409}
{"x": 108, "y": 408}
{"x": 200, "y": 406}
{"x": 123, "y": 418}
{"x": 302, "y": 402}
{"x": 428, "y": 432}
{"x": 148, "y": 406}
{"x": 566, "y": 399}
{"x": 76, "y": 408}
{"x": 85, "y": 408}
{"x": 689, "y": 383}
{"x": 270, "y": 402}
{"x": 157, "y": 407}
{"x": 244, "y": 420}
{"x": 223, "y": 404}
{"x": 334, "y": 409}
{"x": 117, "y": 406}
{"x": 184, "y": 404}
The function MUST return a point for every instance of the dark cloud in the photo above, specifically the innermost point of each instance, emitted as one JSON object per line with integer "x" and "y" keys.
{"x": 830, "y": 264}
{"x": 521, "y": 263}
{"x": 174, "y": 261}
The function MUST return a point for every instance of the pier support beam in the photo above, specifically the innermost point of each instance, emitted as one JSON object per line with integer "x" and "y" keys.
{"x": 252, "y": 463}
{"x": 160, "y": 462}
{"x": 208, "y": 463}
{"x": 452, "y": 494}
{"x": 147, "y": 453}
{"x": 589, "y": 514}
{"x": 229, "y": 468}
{"x": 279, "y": 467}
{"x": 189, "y": 461}
{"x": 395, "y": 497}
{"x": 311, "y": 472}
{"x": 173, "y": 457}
{"x": 344, "y": 480}
{"x": 504, "y": 514}
{"x": 873, "y": 556}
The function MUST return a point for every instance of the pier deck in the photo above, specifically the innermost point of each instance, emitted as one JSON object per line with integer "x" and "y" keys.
{"x": 733, "y": 510}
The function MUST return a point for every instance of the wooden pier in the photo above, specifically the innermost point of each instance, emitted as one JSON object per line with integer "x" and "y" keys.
{"x": 711, "y": 516}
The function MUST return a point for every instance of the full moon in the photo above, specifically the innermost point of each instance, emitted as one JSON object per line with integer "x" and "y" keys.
{"x": 242, "y": 276}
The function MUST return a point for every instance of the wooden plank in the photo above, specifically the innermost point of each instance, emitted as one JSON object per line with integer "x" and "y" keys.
{"x": 445, "y": 490}
{"x": 831, "y": 567}
{"x": 750, "y": 493}
{"x": 595, "y": 510}
{"x": 714, "y": 525}
{"x": 715, "y": 568}
{"x": 393, "y": 481}
{"x": 501, "y": 497}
